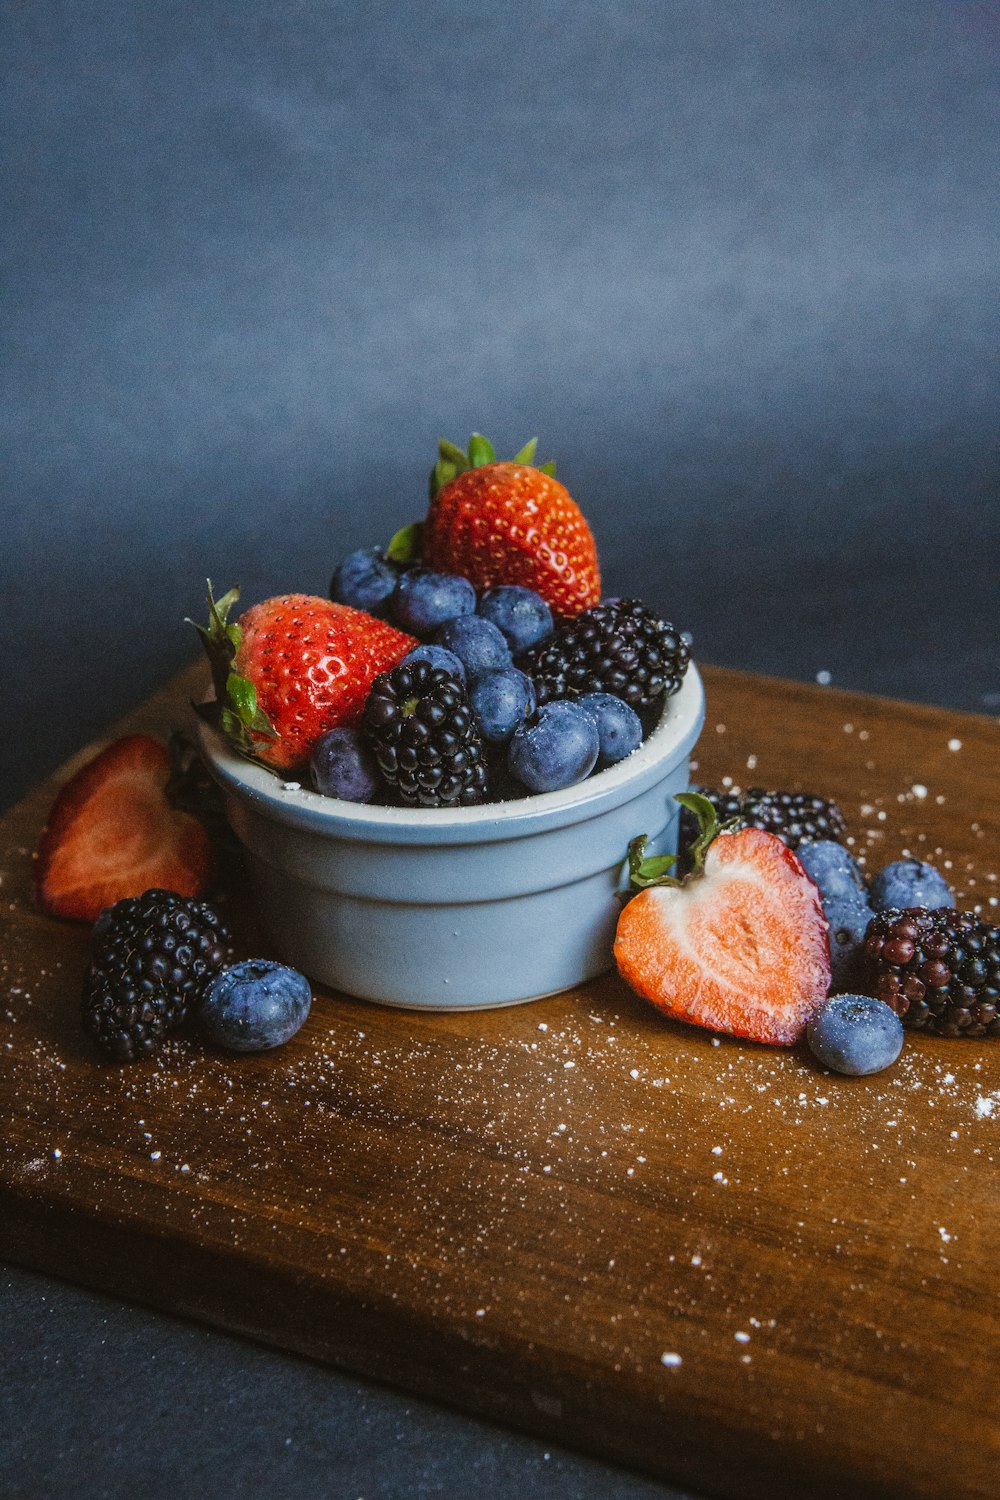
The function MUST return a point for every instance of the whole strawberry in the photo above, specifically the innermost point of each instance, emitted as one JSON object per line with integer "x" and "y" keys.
{"x": 510, "y": 523}
{"x": 740, "y": 945}
{"x": 291, "y": 668}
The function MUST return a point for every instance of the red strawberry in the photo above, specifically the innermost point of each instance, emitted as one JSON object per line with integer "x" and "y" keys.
{"x": 739, "y": 946}
{"x": 112, "y": 833}
{"x": 510, "y": 523}
{"x": 293, "y": 667}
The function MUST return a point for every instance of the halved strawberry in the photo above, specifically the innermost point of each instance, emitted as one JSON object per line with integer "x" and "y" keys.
{"x": 739, "y": 946}
{"x": 510, "y": 523}
{"x": 112, "y": 833}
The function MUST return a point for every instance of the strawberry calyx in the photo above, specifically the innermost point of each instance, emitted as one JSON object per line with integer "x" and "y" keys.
{"x": 453, "y": 460}
{"x": 233, "y": 710}
{"x": 649, "y": 871}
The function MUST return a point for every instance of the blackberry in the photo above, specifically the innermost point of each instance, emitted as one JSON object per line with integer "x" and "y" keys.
{"x": 618, "y": 647}
{"x": 154, "y": 957}
{"x": 420, "y": 727}
{"x": 939, "y": 970}
{"x": 793, "y": 816}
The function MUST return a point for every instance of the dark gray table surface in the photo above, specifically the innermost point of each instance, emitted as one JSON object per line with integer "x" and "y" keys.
{"x": 734, "y": 264}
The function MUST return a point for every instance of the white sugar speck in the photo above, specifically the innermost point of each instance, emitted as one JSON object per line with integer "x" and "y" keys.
{"x": 919, "y": 790}
{"x": 824, "y": 678}
{"x": 954, "y": 744}
{"x": 633, "y": 1072}
{"x": 671, "y": 1361}
{"x": 985, "y": 1106}
{"x": 742, "y": 1338}
{"x": 155, "y": 1155}
{"x": 944, "y": 1234}
{"x": 291, "y": 786}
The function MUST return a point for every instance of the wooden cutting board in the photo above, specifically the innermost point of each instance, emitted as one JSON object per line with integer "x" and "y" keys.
{"x": 709, "y": 1259}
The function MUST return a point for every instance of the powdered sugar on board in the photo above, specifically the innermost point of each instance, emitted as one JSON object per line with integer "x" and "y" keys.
{"x": 733, "y": 1207}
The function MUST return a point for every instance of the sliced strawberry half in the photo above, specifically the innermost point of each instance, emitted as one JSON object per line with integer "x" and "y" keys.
{"x": 112, "y": 833}
{"x": 739, "y": 946}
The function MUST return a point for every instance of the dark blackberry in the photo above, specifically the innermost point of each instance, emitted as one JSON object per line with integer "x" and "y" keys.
{"x": 619, "y": 647}
{"x": 939, "y": 970}
{"x": 420, "y": 727}
{"x": 154, "y": 956}
{"x": 793, "y": 816}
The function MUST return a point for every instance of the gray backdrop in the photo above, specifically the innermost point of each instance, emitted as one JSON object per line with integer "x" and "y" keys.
{"x": 732, "y": 262}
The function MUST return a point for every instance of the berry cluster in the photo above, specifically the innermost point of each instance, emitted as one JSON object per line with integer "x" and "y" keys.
{"x": 159, "y": 958}
{"x": 471, "y": 660}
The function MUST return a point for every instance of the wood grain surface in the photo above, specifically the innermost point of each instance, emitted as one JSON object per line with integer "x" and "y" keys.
{"x": 712, "y": 1260}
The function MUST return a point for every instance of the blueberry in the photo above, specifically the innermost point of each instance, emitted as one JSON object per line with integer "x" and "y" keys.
{"x": 424, "y": 600}
{"x": 558, "y": 749}
{"x": 365, "y": 580}
{"x": 501, "y": 701}
{"x": 341, "y": 765}
{"x": 255, "y": 1005}
{"x": 619, "y": 730}
{"x": 477, "y": 644}
{"x": 848, "y": 924}
{"x": 521, "y": 615}
{"x": 910, "y": 882}
{"x": 437, "y": 656}
{"x": 856, "y": 1034}
{"x": 832, "y": 869}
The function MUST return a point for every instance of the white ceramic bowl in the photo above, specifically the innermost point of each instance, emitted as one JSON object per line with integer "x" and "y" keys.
{"x": 460, "y": 910}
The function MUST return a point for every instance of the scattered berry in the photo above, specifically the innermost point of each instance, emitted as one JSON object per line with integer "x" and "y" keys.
{"x": 154, "y": 956}
{"x": 424, "y": 600}
{"x": 341, "y": 765}
{"x": 910, "y": 882}
{"x": 255, "y": 1005}
{"x": 293, "y": 667}
{"x": 437, "y": 656}
{"x": 521, "y": 615}
{"x": 501, "y": 701}
{"x": 832, "y": 869}
{"x": 112, "y": 833}
{"x": 477, "y": 643}
{"x": 740, "y": 946}
{"x": 792, "y": 816}
{"x": 420, "y": 727}
{"x": 855, "y": 1034}
{"x": 619, "y": 730}
{"x": 365, "y": 580}
{"x": 557, "y": 749}
{"x": 510, "y": 523}
{"x": 939, "y": 970}
{"x": 620, "y": 647}
{"x": 848, "y": 925}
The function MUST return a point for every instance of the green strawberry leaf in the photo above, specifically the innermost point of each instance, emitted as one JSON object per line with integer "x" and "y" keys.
{"x": 644, "y": 872}
{"x": 452, "y": 453}
{"x": 549, "y": 468}
{"x": 527, "y": 453}
{"x": 481, "y": 451}
{"x": 242, "y": 696}
{"x": 407, "y": 545}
